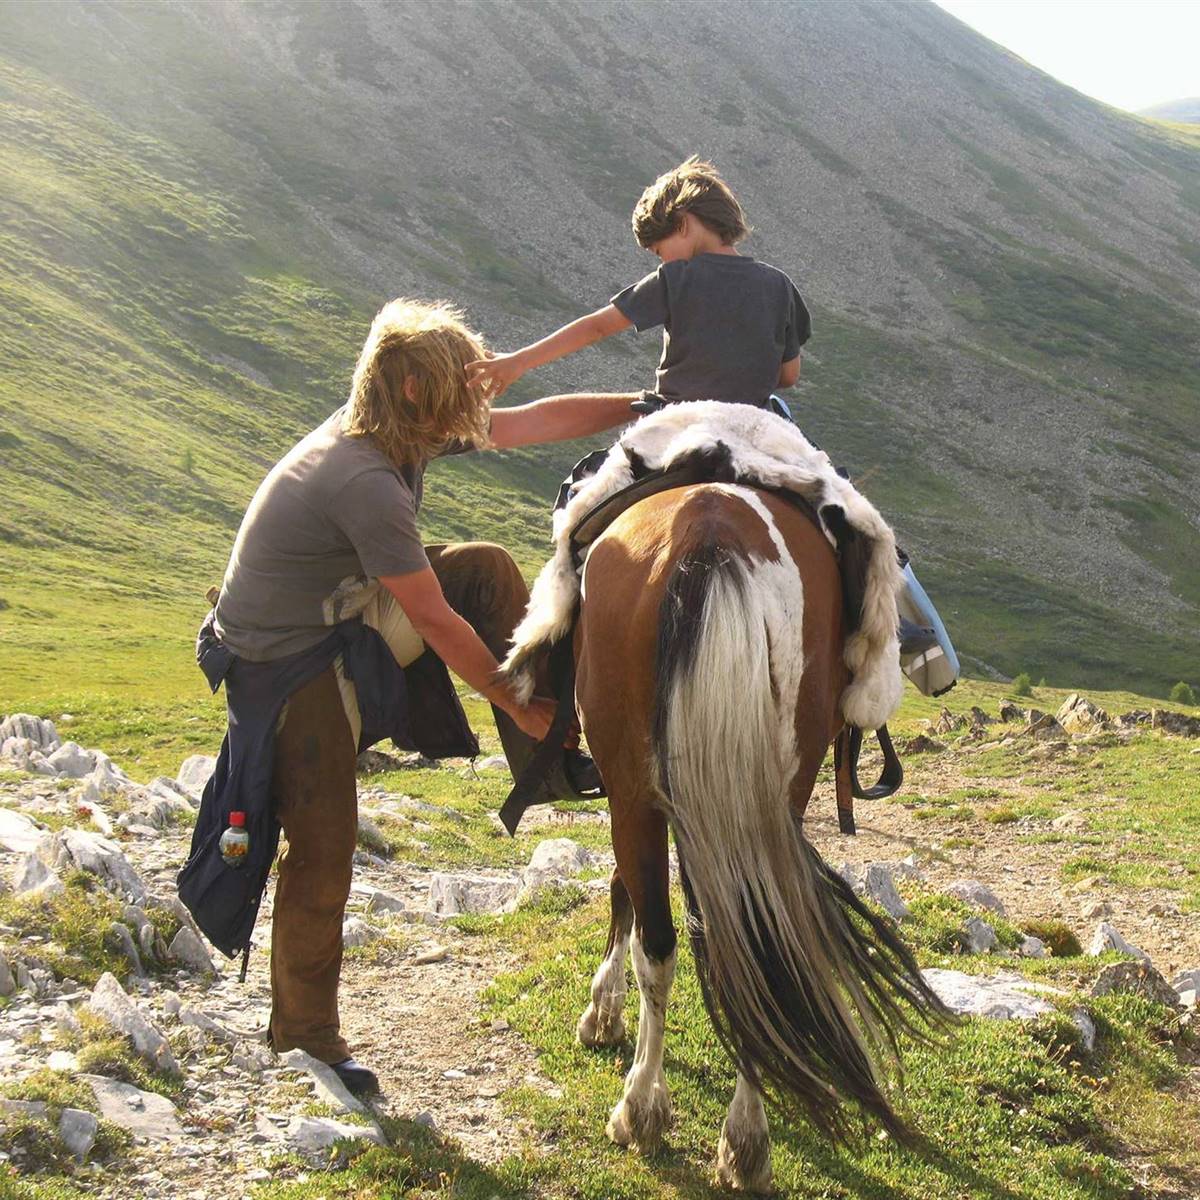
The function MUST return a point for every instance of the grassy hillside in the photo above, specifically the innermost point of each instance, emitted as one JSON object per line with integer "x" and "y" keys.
{"x": 203, "y": 205}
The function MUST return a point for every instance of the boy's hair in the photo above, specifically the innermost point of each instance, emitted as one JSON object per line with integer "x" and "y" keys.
{"x": 430, "y": 344}
{"x": 692, "y": 187}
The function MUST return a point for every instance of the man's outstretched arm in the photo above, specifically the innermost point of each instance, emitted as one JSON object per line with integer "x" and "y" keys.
{"x": 560, "y": 418}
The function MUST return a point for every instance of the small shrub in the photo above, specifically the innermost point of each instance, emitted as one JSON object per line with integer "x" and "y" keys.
{"x": 1183, "y": 693}
{"x": 1022, "y": 685}
{"x": 1057, "y": 935}
{"x": 1002, "y": 816}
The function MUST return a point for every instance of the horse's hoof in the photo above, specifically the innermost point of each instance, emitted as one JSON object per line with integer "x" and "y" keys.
{"x": 745, "y": 1164}
{"x": 601, "y": 1027}
{"x": 641, "y": 1118}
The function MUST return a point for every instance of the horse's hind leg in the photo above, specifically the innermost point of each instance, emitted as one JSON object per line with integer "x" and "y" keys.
{"x": 640, "y": 842}
{"x": 744, "y": 1154}
{"x": 603, "y": 1024}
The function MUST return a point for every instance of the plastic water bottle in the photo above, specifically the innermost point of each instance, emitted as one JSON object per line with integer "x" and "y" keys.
{"x": 235, "y": 841}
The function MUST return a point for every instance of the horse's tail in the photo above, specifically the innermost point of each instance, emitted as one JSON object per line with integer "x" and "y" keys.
{"x": 804, "y": 984}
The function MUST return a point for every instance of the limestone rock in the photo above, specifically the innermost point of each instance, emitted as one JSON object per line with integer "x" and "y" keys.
{"x": 463, "y": 893}
{"x": 1005, "y": 996}
{"x": 146, "y": 1115}
{"x": 874, "y": 882}
{"x": 494, "y": 762}
{"x": 72, "y": 761}
{"x": 18, "y": 833}
{"x": 78, "y": 1131}
{"x": 1138, "y": 978}
{"x": 357, "y": 932}
{"x": 371, "y": 837}
{"x": 32, "y": 878}
{"x": 106, "y": 778}
{"x": 1032, "y": 947}
{"x": 195, "y": 772}
{"x": 188, "y": 949}
{"x": 922, "y": 744}
{"x": 312, "y": 1136}
{"x": 1173, "y": 722}
{"x": 977, "y": 894}
{"x": 1079, "y": 715}
{"x": 1011, "y": 713}
{"x": 555, "y": 858}
{"x": 1045, "y": 728}
{"x": 121, "y": 940}
{"x": 379, "y": 901}
{"x": 328, "y": 1086}
{"x": 8, "y": 984}
{"x": 196, "y": 1019}
{"x": 94, "y": 853}
{"x": 979, "y": 717}
{"x": 110, "y": 1002}
{"x": 947, "y": 722}
{"x": 1107, "y": 938}
{"x": 981, "y": 937}
{"x": 41, "y": 733}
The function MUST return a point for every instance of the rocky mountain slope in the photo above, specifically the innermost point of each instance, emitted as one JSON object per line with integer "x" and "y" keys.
{"x": 205, "y": 202}
{"x": 1187, "y": 111}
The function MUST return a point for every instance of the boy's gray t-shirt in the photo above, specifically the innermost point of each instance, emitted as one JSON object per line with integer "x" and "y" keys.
{"x": 728, "y": 323}
{"x": 332, "y": 515}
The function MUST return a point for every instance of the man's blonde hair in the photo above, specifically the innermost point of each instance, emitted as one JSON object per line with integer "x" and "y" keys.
{"x": 431, "y": 345}
{"x": 695, "y": 187}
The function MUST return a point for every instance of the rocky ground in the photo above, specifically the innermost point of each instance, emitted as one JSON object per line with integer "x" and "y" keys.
{"x": 210, "y": 1110}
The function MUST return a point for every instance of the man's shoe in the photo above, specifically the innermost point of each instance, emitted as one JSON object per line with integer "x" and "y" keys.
{"x": 358, "y": 1081}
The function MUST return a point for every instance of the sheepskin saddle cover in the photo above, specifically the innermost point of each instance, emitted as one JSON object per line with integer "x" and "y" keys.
{"x": 764, "y": 450}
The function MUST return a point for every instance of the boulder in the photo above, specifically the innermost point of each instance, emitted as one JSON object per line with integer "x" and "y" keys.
{"x": 1005, "y": 996}
{"x": 1032, "y": 947}
{"x": 327, "y": 1085}
{"x": 375, "y": 762}
{"x": 78, "y": 1131}
{"x": 357, "y": 932}
{"x": 371, "y": 837}
{"x": 92, "y": 852}
{"x": 121, "y": 940}
{"x": 195, "y": 772}
{"x": 31, "y": 878}
{"x": 1174, "y": 722}
{"x": 554, "y": 859}
{"x": 385, "y": 902}
{"x": 313, "y": 1136}
{"x": 1137, "y": 978}
{"x": 977, "y": 894}
{"x": 452, "y": 893}
{"x": 874, "y": 881}
{"x": 147, "y": 1115}
{"x": 979, "y": 717}
{"x": 1011, "y": 713}
{"x": 8, "y": 984}
{"x": 922, "y": 744}
{"x": 188, "y": 949}
{"x": 1079, "y": 715}
{"x": 18, "y": 833}
{"x": 1107, "y": 938}
{"x": 1045, "y": 728}
{"x": 110, "y": 1003}
{"x": 72, "y": 761}
{"x": 40, "y": 733}
{"x": 980, "y": 936}
{"x": 947, "y": 722}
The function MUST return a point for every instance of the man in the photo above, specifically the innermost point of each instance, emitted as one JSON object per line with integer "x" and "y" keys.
{"x": 334, "y": 626}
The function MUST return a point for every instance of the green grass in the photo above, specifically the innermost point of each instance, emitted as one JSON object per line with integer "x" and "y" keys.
{"x": 1009, "y": 1109}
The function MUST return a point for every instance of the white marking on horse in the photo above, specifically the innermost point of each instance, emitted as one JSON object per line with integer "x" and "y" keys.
{"x": 603, "y": 1024}
{"x": 644, "y": 1112}
{"x": 744, "y": 1152}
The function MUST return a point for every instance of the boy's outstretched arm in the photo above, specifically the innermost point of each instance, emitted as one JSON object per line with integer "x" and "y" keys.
{"x": 503, "y": 369}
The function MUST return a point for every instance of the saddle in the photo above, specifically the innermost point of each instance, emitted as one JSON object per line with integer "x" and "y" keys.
{"x": 710, "y": 465}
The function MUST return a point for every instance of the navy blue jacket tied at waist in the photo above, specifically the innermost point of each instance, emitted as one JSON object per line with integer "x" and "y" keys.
{"x": 416, "y": 706}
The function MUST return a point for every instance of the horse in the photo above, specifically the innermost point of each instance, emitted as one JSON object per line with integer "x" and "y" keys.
{"x": 709, "y": 677}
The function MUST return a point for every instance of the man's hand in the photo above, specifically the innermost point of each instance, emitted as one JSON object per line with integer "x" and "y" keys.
{"x": 536, "y": 717}
{"x": 495, "y": 373}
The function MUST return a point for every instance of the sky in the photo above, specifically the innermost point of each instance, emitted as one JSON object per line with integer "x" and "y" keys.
{"x": 1129, "y": 53}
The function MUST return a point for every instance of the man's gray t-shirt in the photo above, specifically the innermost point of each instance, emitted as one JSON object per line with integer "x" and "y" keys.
{"x": 729, "y": 322}
{"x": 331, "y": 516}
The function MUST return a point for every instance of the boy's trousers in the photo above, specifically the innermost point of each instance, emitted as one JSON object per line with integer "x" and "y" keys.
{"x": 315, "y": 796}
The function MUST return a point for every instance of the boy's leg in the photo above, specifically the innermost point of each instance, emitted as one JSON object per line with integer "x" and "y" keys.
{"x": 315, "y": 795}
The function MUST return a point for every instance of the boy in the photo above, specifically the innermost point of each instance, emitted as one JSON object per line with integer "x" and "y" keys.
{"x": 732, "y": 327}
{"x": 732, "y": 331}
